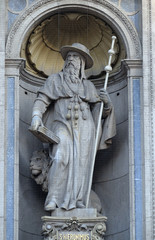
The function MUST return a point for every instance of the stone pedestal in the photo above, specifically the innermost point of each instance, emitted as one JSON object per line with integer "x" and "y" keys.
{"x": 73, "y": 227}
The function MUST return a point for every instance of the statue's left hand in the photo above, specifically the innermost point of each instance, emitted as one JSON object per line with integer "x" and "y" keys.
{"x": 104, "y": 96}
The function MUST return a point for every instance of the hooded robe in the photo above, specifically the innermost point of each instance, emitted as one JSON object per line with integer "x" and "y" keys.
{"x": 71, "y": 112}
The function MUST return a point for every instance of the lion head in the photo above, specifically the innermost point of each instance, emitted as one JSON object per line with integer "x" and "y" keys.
{"x": 39, "y": 166}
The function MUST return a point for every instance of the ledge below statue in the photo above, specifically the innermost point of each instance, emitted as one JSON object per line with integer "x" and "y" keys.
{"x": 78, "y": 212}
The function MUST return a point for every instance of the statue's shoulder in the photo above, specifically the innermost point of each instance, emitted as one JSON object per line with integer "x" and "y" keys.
{"x": 88, "y": 83}
{"x": 54, "y": 78}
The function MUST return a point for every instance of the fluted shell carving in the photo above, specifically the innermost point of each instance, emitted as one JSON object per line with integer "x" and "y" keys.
{"x": 42, "y": 50}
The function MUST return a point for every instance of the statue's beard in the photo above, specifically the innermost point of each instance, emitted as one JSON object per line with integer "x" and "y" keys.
{"x": 71, "y": 72}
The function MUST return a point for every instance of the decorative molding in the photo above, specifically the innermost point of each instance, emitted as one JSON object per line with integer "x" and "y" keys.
{"x": 74, "y": 225}
{"x": 127, "y": 22}
{"x": 61, "y": 4}
{"x": 134, "y": 66}
{"x": 28, "y": 78}
{"x": 55, "y": 228}
{"x": 148, "y": 113}
{"x": 19, "y": 21}
{"x": 152, "y": 110}
{"x": 89, "y": 30}
{"x": 98, "y": 231}
{"x": 14, "y": 66}
{"x": 49, "y": 231}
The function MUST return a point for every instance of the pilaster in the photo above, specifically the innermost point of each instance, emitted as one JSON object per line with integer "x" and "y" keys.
{"x": 148, "y": 95}
{"x": 12, "y": 67}
{"x": 134, "y": 76}
{"x": 2, "y": 120}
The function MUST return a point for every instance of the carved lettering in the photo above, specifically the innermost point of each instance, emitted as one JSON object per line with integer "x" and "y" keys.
{"x": 73, "y": 236}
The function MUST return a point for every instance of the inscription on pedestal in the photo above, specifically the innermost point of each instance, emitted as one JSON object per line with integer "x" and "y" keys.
{"x": 73, "y": 236}
{"x": 73, "y": 228}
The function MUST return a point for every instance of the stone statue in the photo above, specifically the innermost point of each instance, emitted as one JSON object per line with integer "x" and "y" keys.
{"x": 68, "y": 104}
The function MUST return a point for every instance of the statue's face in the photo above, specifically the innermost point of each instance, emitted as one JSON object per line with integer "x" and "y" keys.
{"x": 73, "y": 58}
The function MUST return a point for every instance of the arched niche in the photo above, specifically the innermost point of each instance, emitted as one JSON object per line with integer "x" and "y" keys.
{"x": 43, "y": 9}
{"x": 112, "y": 171}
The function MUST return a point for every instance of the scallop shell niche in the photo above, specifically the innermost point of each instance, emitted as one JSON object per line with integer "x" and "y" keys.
{"x": 42, "y": 49}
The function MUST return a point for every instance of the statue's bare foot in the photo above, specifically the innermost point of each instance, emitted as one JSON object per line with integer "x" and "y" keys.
{"x": 51, "y": 206}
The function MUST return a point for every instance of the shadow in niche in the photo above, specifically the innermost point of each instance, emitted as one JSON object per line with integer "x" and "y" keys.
{"x": 31, "y": 197}
{"x": 31, "y": 204}
{"x": 111, "y": 183}
{"x": 31, "y": 207}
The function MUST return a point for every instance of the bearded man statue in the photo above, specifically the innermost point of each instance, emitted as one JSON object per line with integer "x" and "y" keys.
{"x": 68, "y": 104}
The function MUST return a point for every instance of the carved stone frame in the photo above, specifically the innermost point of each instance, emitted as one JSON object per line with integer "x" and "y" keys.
{"x": 119, "y": 21}
{"x": 43, "y": 8}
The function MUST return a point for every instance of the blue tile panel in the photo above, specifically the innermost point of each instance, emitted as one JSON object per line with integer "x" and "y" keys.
{"x": 15, "y": 5}
{"x": 10, "y": 159}
{"x": 137, "y": 160}
{"x": 11, "y": 19}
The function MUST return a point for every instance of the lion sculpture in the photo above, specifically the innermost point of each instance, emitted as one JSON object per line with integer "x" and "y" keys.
{"x": 39, "y": 166}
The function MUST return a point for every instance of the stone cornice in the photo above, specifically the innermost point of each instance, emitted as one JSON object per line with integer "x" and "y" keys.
{"x": 134, "y": 67}
{"x": 13, "y": 66}
{"x": 39, "y": 81}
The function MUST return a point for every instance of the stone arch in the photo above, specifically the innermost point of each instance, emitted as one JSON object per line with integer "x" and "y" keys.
{"x": 43, "y": 8}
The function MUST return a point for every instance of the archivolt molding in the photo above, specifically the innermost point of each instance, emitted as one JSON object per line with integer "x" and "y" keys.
{"x": 129, "y": 26}
{"x": 43, "y": 8}
{"x": 89, "y": 30}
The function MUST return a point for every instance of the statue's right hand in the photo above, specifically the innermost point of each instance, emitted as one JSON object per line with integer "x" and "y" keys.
{"x": 36, "y": 123}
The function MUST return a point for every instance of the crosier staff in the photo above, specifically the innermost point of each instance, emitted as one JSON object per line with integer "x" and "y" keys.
{"x": 108, "y": 69}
